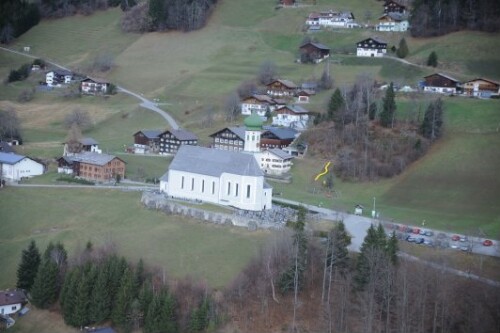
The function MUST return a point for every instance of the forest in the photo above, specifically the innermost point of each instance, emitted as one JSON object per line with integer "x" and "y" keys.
{"x": 439, "y": 17}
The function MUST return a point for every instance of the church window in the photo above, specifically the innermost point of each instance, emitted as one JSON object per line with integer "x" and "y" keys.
{"x": 236, "y": 190}
{"x": 182, "y": 182}
{"x": 192, "y": 184}
{"x": 248, "y": 191}
{"x": 228, "y": 188}
{"x": 203, "y": 186}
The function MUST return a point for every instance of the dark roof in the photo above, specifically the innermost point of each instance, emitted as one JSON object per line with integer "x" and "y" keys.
{"x": 151, "y": 134}
{"x": 280, "y": 153}
{"x": 96, "y": 80}
{"x": 91, "y": 158}
{"x": 5, "y": 147}
{"x": 287, "y": 83}
{"x": 214, "y": 162}
{"x": 181, "y": 134}
{"x": 374, "y": 39}
{"x": 282, "y": 133}
{"x": 262, "y": 98}
{"x": 60, "y": 72}
{"x": 295, "y": 109}
{"x": 316, "y": 45}
{"x": 88, "y": 141}
{"x": 8, "y": 297}
{"x": 443, "y": 75}
{"x": 10, "y": 158}
{"x": 395, "y": 16}
{"x": 101, "y": 330}
{"x": 238, "y": 130}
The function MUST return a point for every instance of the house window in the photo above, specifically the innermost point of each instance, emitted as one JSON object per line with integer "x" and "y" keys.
{"x": 248, "y": 191}
{"x": 14, "y": 308}
{"x": 237, "y": 188}
{"x": 213, "y": 187}
{"x": 203, "y": 186}
{"x": 228, "y": 188}
{"x": 192, "y": 184}
{"x": 182, "y": 182}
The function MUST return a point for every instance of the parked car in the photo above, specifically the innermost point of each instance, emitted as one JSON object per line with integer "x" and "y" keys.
{"x": 420, "y": 240}
{"x": 487, "y": 242}
{"x": 428, "y": 242}
{"x": 465, "y": 248}
{"x": 463, "y": 238}
{"x": 429, "y": 233}
{"x": 454, "y": 245}
{"x": 410, "y": 239}
{"x": 416, "y": 231}
{"x": 455, "y": 238}
{"x": 422, "y": 232}
{"x": 409, "y": 230}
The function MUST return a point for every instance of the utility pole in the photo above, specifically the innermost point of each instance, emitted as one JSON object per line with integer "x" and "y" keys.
{"x": 374, "y": 212}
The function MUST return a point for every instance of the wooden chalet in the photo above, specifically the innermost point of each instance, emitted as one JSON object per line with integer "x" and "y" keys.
{"x": 258, "y": 104}
{"x": 80, "y": 146}
{"x": 441, "y": 83}
{"x": 313, "y": 52}
{"x": 94, "y": 86}
{"x": 293, "y": 116}
{"x": 229, "y": 138}
{"x": 277, "y": 137}
{"x": 281, "y": 88}
{"x": 394, "y": 7}
{"x": 171, "y": 140}
{"x": 482, "y": 88}
{"x": 92, "y": 166}
{"x": 371, "y": 47}
{"x": 287, "y": 2}
{"x": 148, "y": 140}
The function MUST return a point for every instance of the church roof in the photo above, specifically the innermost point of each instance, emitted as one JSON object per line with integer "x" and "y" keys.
{"x": 253, "y": 122}
{"x": 214, "y": 162}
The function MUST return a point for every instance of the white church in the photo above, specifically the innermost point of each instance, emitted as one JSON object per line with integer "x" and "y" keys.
{"x": 229, "y": 178}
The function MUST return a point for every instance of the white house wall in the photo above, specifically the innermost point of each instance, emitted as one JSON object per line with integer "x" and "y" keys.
{"x": 362, "y": 52}
{"x": 440, "y": 90}
{"x": 24, "y": 168}
{"x": 10, "y": 309}
{"x": 249, "y": 108}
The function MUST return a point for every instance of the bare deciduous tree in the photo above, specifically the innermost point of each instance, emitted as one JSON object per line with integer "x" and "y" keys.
{"x": 267, "y": 72}
{"x": 232, "y": 107}
{"x": 78, "y": 117}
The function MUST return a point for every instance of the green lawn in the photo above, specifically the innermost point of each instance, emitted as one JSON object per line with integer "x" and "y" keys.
{"x": 181, "y": 246}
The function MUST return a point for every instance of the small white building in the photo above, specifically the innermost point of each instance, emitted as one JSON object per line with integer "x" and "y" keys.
{"x": 57, "y": 78}
{"x": 221, "y": 177}
{"x": 332, "y": 18}
{"x": 293, "y": 116}
{"x": 371, "y": 48}
{"x": 392, "y": 22}
{"x": 11, "y": 301}
{"x": 94, "y": 86}
{"x": 275, "y": 161}
{"x": 258, "y": 104}
{"x": 14, "y": 167}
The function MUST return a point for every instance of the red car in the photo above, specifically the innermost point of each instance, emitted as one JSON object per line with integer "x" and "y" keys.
{"x": 416, "y": 231}
{"x": 455, "y": 238}
{"x": 487, "y": 242}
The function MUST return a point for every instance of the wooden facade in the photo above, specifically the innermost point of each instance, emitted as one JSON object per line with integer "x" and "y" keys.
{"x": 441, "y": 83}
{"x": 481, "y": 88}
{"x": 93, "y": 166}
{"x": 316, "y": 52}
{"x": 393, "y": 7}
{"x": 170, "y": 141}
{"x": 148, "y": 138}
{"x": 276, "y": 137}
{"x": 229, "y": 138}
{"x": 371, "y": 47}
{"x": 281, "y": 88}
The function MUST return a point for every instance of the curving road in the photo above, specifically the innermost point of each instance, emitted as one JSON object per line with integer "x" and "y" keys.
{"x": 145, "y": 103}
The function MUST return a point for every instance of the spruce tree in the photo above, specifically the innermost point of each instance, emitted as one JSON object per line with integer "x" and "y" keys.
{"x": 168, "y": 323}
{"x": 28, "y": 267}
{"x": 432, "y": 125}
{"x": 100, "y": 301}
{"x": 335, "y": 106}
{"x": 68, "y": 295}
{"x": 82, "y": 291}
{"x": 124, "y": 299}
{"x": 432, "y": 60}
{"x": 338, "y": 256}
{"x": 402, "y": 51}
{"x": 387, "y": 116}
{"x": 370, "y": 244}
{"x": 152, "y": 319}
{"x": 392, "y": 248}
{"x": 44, "y": 291}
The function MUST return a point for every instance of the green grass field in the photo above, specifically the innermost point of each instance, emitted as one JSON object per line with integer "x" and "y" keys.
{"x": 181, "y": 246}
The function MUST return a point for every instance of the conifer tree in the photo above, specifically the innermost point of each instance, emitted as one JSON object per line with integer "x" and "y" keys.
{"x": 44, "y": 291}
{"x": 152, "y": 318}
{"x": 372, "y": 112}
{"x": 68, "y": 295}
{"x": 335, "y": 106}
{"x": 124, "y": 299}
{"x": 199, "y": 317}
{"x": 83, "y": 291}
{"x": 432, "y": 60}
{"x": 392, "y": 249}
{"x": 387, "y": 116}
{"x": 402, "y": 51}
{"x": 28, "y": 267}
{"x": 100, "y": 302}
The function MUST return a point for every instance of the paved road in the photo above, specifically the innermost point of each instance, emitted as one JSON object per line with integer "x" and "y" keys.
{"x": 146, "y": 103}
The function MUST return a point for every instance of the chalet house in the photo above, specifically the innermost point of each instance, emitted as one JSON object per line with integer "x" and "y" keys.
{"x": 94, "y": 86}
{"x": 275, "y": 161}
{"x": 83, "y": 145}
{"x": 331, "y": 18}
{"x": 11, "y": 301}
{"x": 441, "y": 83}
{"x": 258, "y": 104}
{"x": 229, "y": 138}
{"x": 313, "y": 52}
{"x": 393, "y": 7}
{"x": 147, "y": 141}
{"x": 293, "y": 116}
{"x": 57, "y": 78}
{"x": 481, "y": 88}
{"x": 14, "y": 167}
{"x": 228, "y": 178}
{"x": 171, "y": 140}
{"x": 92, "y": 166}
{"x": 392, "y": 22}
{"x": 277, "y": 137}
{"x": 281, "y": 88}
{"x": 303, "y": 95}
{"x": 371, "y": 48}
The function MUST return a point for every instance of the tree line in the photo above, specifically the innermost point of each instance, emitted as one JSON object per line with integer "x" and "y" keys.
{"x": 98, "y": 286}
{"x": 439, "y": 17}
{"x": 361, "y": 131}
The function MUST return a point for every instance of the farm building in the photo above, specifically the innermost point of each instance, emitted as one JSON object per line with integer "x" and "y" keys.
{"x": 331, "y": 18}
{"x": 15, "y": 167}
{"x": 481, "y": 88}
{"x": 228, "y": 178}
{"x": 441, "y": 83}
{"x": 313, "y": 52}
{"x": 277, "y": 137}
{"x": 371, "y": 48}
{"x": 171, "y": 140}
{"x": 392, "y": 22}
{"x": 229, "y": 138}
{"x": 11, "y": 301}
{"x": 293, "y": 116}
{"x": 394, "y": 7}
{"x": 147, "y": 141}
{"x": 94, "y": 86}
{"x": 92, "y": 166}
{"x": 281, "y": 88}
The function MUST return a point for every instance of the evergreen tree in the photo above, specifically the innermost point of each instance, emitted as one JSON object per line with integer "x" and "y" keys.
{"x": 28, "y": 267}
{"x": 432, "y": 125}
{"x": 199, "y": 317}
{"x": 338, "y": 255}
{"x": 153, "y": 315}
{"x": 140, "y": 276}
{"x": 402, "y": 51}
{"x": 68, "y": 297}
{"x": 44, "y": 291}
{"x": 370, "y": 244}
{"x": 100, "y": 302}
{"x": 387, "y": 116}
{"x": 372, "y": 112}
{"x": 145, "y": 296}
{"x": 124, "y": 300}
{"x": 392, "y": 248}
{"x": 432, "y": 60}
{"x": 335, "y": 106}
{"x": 127, "y": 4}
{"x": 157, "y": 12}
{"x": 83, "y": 291}
{"x": 168, "y": 323}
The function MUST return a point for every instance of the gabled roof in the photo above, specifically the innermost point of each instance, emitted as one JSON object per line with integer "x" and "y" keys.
{"x": 479, "y": 78}
{"x": 280, "y": 153}
{"x": 91, "y": 158}
{"x": 150, "y": 134}
{"x": 282, "y": 133}
{"x": 10, "y": 158}
{"x": 295, "y": 108}
{"x": 96, "y": 80}
{"x": 60, "y": 72}
{"x": 316, "y": 45}
{"x": 261, "y": 98}
{"x": 398, "y": 17}
{"x": 214, "y": 162}
{"x": 287, "y": 83}
{"x": 11, "y": 297}
{"x": 181, "y": 134}
{"x": 238, "y": 130}
{"x": 88, "y": 142}
{"x": 378, "y": 41}
{"x": 443, "y": 75}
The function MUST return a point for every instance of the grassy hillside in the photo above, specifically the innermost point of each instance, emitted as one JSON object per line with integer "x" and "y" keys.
{"x": 181, "y": 246}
